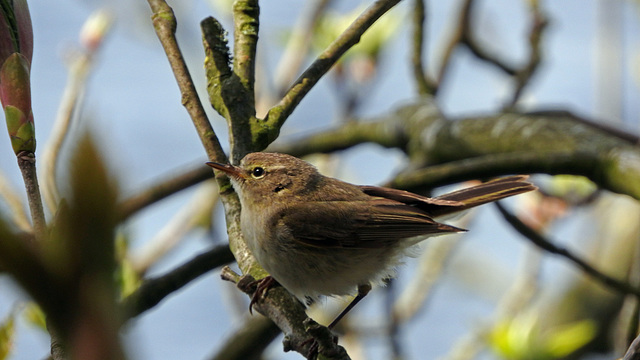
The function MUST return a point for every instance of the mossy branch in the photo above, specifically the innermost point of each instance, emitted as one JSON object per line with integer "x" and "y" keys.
{"x": 443, "y": 151}
{"x": 229, "y": 93}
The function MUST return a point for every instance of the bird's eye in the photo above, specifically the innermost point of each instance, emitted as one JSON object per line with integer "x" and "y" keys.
{"x": 257, "y": 172}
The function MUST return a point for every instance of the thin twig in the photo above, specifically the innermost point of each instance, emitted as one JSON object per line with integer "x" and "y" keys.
{"x": 71, "y": 99}
{"x": 456, "y": 38}
{"x": 525, "y": 73}
{"x": 172, "y": 233}
{"x": 278, "y": 114}
{"x": 165, "y": 23}
{"x": 424, "y": 84}
{"x": 515, "y": 300}
{"x": 27, "y": 165}
{"x": 546, "y": 245}
{"x": 463, "y": 35}
{"x": 482, "y": 53}
{"x": 298, "y": 45}
{"x": 168, "y": 186}
{"x": 94, "y": 31}
{"x": 416, "y": 293}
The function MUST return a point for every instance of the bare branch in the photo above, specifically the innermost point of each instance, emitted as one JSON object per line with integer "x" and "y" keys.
{"x": 424, "y": 84}
{"x": 165, "y": 23}
{"x": 199, "y": 207}
{"x": 153, "y": 290}
{"x": 456, "y": 37}
{"x": 546, "y": 245}
{"x": 351, "y": 36}
{"x": 27, "y": 165}
{"x": 634, "y": 350}
{"x": 525, "y": 73}
{"x": 298, "y": 46}
{"x": 156, "y": 192}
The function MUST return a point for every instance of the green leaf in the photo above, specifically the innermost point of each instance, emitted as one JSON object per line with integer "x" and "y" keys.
{"x": 35, "y": 316}
{"x": 7, "y": 332}
{"x": 129, "y": 279}
{"x": 570, "y": 337}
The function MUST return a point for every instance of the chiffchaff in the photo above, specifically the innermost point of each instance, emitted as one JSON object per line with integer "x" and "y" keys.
{"x": 317, "y": 235}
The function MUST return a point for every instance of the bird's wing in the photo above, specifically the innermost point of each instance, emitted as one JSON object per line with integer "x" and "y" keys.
{"x": 356, "y": 224}
{"x": 409, "y": 198}
{"x": 460, "y": 200}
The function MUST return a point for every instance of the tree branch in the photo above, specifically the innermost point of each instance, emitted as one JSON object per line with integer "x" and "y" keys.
{"x": 154, "y": 290}
{"x": 485, "y": 146}
{"x": 456, "y": 38}
{"x": 246, "y": 24}
{"x": 228, "y": 93}
{"x": 634, "y": 350}
{"x": 523, "y": 75}
{"x": 168, "y": 186}
{"x": 424, "y": 84}
{"x": 27, "y": 165}
{"x": 278, "y": 114}
{"x": 165, "y": 23}
{"x": 546, "y": 245}
{"x": 297, "y": 48}
{"x": 289, "y": 314}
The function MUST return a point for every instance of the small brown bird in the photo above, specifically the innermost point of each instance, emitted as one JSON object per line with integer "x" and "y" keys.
{"x": 317, "y": 235}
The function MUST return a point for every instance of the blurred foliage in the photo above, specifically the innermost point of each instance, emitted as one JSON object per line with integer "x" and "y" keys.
{"x": 7, "y": 331}
{"x": 333, "y": 23}
{"x": 34, "y": 315}
{"x": 128, "y": 279}
{"x": 522, "y": 338}
{"x": 570, "y": 187}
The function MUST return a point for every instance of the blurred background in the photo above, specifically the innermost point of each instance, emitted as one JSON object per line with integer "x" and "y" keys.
{"x": 590, "y": 66}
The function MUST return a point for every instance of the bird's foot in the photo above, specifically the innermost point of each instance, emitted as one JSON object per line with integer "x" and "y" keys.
{"x": 261, "y": 287}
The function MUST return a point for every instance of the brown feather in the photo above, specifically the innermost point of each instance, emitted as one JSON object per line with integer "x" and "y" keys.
{"x": 344, "y": 224}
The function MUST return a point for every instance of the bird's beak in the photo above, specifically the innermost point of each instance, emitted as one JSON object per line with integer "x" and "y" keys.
{"x": 232, "y": 171}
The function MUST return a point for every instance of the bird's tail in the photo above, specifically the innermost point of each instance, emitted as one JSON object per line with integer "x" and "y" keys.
{"x": 481, "y": 194}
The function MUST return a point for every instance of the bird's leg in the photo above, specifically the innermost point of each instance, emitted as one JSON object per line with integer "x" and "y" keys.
{"x": 262, "y": 286}
{"x": 363, "y": 290}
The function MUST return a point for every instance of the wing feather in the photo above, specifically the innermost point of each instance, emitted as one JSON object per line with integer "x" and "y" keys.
{"x": 357, "y": 224}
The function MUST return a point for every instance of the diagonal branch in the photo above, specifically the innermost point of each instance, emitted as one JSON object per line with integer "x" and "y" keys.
{"x": 278, "y": 114}
{"x": 546, "y": 245}
{"x": 154, "y": 290}
{"x": 156, "y": 192}
{"x": 165, "y": 24}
